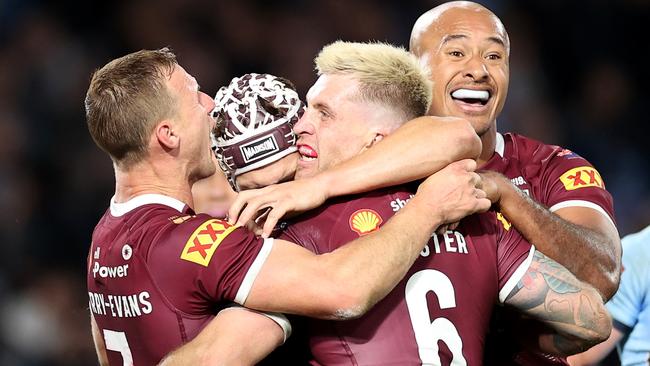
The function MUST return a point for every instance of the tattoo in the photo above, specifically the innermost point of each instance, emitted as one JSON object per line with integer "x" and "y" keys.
{"x": 552, "y": 294}
{"x": 553, "y": 277}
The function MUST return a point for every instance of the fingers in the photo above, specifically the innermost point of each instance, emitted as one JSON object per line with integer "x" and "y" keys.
{"x": 483, "y": 205}
{"x": 255, "y": 208}
{"x": 442, "y": 229}
{"x": 236, "y": 207}
{"x": 466, "y": 164}
{"x": 274, "y": 215}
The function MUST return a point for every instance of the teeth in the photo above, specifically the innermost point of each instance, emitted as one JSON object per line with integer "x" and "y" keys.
{"x": 306, "y": 158}
{"x": 483, "y": 95}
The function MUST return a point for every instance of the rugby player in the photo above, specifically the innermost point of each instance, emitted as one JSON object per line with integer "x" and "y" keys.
{"x": 351, "y": 110}
{"x": 158, "y": 272}
{"x": 554, "y": 197}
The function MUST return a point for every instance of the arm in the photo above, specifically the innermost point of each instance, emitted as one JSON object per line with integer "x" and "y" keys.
{"x": 573, "y": 309}
{"x": 583, "y": 240}
{"x": 345, "y": 283}
{"x": 236, "y": 336}
{"x": 405, "y": 155}
{"x": 597, "y": 353}
{"x": 98, "y": 339}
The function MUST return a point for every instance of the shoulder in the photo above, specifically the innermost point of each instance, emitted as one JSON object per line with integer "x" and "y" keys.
{"x": 197, "y": 237}
{"x": 527, "y": 148}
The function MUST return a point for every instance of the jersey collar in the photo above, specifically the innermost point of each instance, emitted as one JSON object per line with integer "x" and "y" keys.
{"x": 500, "y": 145}
{"x": 119, "y": 209}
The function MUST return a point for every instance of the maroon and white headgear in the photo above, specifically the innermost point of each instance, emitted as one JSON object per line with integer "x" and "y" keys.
{"x": 255, "y": 116}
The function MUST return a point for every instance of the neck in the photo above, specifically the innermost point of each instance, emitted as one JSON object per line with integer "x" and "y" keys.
{"x": 489, "y": 141}
{"x": 145, "y": 178}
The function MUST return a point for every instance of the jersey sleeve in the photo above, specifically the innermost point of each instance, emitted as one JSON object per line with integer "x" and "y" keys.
{"x": 514, "y": 256}
{"x": 568, "y": 180}
{"x": 627, "y": 303}
{"x": 278, "y": 318}
{"x": 219, "y": 260}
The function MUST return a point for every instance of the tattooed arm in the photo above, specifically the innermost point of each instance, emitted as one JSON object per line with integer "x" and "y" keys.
{"x": 573, "y": 309}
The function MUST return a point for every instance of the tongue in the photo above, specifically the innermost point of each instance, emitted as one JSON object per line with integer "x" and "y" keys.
{"x": 307, "y": 151}
{"x": 471, "y": 94}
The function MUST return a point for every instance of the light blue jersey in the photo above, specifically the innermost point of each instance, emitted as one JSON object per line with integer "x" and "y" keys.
{"x": 630, "y": 306}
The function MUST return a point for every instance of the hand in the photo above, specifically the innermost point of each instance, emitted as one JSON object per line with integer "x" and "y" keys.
{"x": 275, "y": 201}
{"x": 493, "y": 185}
{"x": 454, "y": 192}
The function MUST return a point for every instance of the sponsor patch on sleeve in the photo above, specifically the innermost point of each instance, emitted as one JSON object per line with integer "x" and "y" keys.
{"x": 203, "y": 242}
{"x": 365, "y": 221}
{"x": 581, "y": 177}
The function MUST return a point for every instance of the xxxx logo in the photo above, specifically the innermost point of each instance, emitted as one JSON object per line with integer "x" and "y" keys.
{"x": 204, "y": 241}
{"x": 581, "y": 177}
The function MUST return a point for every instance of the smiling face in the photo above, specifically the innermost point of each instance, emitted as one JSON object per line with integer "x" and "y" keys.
{"x": 466, "y": 48}
{"x": 337, "y": 125}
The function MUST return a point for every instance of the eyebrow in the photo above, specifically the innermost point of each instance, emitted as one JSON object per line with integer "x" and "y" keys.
{"x": 325, "y": 107}
{"x": 453, "y": 37}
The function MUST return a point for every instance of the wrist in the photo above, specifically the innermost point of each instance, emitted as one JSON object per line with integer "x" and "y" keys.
{"x": 508, "y": 193}
{"x": 422, "y": 213}
{"x": 324, "y": 183}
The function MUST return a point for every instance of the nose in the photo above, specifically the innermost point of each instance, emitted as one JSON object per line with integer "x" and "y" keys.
{"x": 304, "y": 124}
{"x": 476, "y": 69}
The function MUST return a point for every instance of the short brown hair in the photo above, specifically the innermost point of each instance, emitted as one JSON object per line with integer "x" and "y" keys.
{"x": 125, "y": 100}
{"x": 387, "y": 74}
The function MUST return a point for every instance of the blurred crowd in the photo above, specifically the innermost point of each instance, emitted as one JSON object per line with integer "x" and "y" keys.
{"x": 577, "y": 70}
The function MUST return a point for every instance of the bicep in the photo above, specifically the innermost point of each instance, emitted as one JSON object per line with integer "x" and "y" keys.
{"x": 292, "y": 280}
{"x": 593, "y": 218}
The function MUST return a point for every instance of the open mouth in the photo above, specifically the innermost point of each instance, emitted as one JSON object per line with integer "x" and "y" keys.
{"x": 307, "y": 153}
{"x": 471, "y": 96}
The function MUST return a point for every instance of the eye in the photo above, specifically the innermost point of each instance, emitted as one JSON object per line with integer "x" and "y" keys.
{"x": 455, "y": 53}
{"x": 323, "y": 114}
{"x": 493, "y": 56}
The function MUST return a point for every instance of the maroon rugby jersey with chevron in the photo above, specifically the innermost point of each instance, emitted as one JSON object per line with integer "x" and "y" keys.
{"x": 158, "y": 273}
{"x": 440, "y": 311}
{"x": 556, "y": 178}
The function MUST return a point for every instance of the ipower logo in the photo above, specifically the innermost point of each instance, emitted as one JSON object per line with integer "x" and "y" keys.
{"x": 259, "y": 148}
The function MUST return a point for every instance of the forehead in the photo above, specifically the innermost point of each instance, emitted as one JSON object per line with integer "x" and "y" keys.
{"x": 466, "y": 23}
{"x": 180, "y": 80}
{"x": 333, "y": 88}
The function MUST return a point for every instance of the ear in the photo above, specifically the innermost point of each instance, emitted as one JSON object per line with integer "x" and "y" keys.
{"x": 376, "y": 138}
{"x": 166, "y": 135}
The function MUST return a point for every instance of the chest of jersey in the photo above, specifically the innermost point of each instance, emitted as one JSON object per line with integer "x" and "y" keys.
{"x": 437, "y": 314}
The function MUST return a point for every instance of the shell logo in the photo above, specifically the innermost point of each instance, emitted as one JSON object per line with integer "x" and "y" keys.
{"x": 365, "y": 221}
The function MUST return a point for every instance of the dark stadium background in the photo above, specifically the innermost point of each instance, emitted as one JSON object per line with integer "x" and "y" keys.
{"x": 577, "y": 71}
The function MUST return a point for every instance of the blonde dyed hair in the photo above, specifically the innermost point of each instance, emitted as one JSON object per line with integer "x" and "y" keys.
{"x": 388, "y": 75}
{"x": 126, "y": 99}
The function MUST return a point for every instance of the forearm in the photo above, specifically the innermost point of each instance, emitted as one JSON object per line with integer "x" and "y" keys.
{"x": 236, "y": 336}
{"x": 98, "y": 340}
{"x": 345, "y": 283}
{"x": 395, "y": 247}
{"x": 592, "y": 256}
{"x": 574, "y": 310}
{"x": 416, "y": 150}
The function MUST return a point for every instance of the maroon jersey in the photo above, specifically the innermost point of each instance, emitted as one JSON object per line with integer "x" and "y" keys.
{"x": 553, "y": 176}
{"x": 441, "y": 310}
{"x": 157, "y": 273}
{"x": 556, "y": 178}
